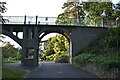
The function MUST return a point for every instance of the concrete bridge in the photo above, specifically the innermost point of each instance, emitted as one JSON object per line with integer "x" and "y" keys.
{"x": 79, "y": 37}
{"x": 33, "y": 29}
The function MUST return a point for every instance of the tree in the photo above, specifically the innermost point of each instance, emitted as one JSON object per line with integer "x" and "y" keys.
{"x": 1, "y": 37}
{"x": 57, "y": 46}
{"x": 89, "y": 13}
{"x": 2, "y": 10}
{"x": 73, "y": 13}
{"x": 9, "y": 50}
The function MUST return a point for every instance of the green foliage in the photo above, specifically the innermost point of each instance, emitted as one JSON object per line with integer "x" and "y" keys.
{"x": 6, "y": 61}
{"x": 9, "y": 50}
{"x": 65, "y": 54}
{"x": 83, "y": 58}
{"x": 18, "y": 57}
{"x": 56, "y": 46}
{"x": 88, "y": 13}
{"x": 107, "y": 62}
{"x": 70, "y": 10}
{"x": 12, "y": 73}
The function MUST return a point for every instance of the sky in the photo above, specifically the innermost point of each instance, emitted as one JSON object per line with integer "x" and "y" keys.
{"x": 43, "y": 8}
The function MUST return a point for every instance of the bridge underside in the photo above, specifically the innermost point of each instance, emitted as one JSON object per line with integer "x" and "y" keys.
{"x": 79, "y": 38}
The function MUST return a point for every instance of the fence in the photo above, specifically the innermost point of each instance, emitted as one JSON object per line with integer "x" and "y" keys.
{"x": 58, "y": 21}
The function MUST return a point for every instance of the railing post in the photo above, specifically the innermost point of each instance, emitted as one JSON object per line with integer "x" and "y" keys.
{"x": 28, "y": 22}
{"x": 25, "y": 19}
{"x": 38, "y": 22}
{"x": 36, "y": 19}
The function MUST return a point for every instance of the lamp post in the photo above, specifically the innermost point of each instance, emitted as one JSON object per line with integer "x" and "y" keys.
{"x": 103, "y": 15}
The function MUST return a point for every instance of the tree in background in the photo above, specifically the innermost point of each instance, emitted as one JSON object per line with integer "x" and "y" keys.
{"x": 2, "y": 10}
{"x": 1, "y": 37}
{"x": 56, "y": 46}
{"x": 9, "y": 50}
{"x": 73, "y": 13}
{"x": 95, "y": 9}
{"x": 89, "y": 13}
{"x": 117, "y": 13}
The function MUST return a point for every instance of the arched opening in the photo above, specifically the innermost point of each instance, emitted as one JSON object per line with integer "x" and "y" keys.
{"x": 54, "y": 46}
{"x": 11, "y": 50}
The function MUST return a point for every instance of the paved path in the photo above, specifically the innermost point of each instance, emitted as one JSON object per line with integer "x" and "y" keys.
{"x": 52, "y": 70}
{"x": 58, "y": 70}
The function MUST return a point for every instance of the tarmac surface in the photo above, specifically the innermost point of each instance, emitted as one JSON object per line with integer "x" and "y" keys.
{"x": 52, "y": 70}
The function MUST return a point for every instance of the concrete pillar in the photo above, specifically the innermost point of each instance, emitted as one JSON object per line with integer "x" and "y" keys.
{"x": 36, "y": 56}
{"x": 17, "y": 34}
{"x": 30, "y": 41}
{"x": 24, "y": 33}
{"x": 23, "y": 55}
{"x": 35, "y": 32}
{"x": 36, "y": 47}
{"x": 30, "y": 33}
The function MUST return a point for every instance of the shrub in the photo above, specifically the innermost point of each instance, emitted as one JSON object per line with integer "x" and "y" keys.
{"x": 106, "y": 61}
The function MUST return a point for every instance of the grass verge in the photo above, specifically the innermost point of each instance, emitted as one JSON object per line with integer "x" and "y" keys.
{"x": 12, "y": 73}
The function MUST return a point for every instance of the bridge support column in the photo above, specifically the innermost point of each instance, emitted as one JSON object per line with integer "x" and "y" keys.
{"x": 29, "y": 47}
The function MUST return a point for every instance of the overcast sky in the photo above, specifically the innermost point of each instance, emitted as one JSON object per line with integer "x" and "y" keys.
{"x": 47, "y": 8}
{"x": 43, "y": 8}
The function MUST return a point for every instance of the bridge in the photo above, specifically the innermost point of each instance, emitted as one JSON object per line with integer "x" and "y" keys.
{"x": 33, "y": 31}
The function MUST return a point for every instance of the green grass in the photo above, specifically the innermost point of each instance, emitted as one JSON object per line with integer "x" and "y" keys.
{"x": 12, "y": 73}
{"x": 6, "y": 61}
{"x": 9, "y": 61}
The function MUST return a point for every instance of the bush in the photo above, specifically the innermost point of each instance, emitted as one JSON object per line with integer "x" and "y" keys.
{"x": 106, "y": 61}
{"x": 83, "y": 58}
{"x": 64, "y": 59}
{"x": 18, "y": 57}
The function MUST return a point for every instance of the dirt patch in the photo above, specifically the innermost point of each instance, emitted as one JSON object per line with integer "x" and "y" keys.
{"x": 97, "y": 70}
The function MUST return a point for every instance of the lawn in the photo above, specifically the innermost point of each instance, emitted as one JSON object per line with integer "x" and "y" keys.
{"x": 12, "y": 73}
{"x": 7, "y": 61}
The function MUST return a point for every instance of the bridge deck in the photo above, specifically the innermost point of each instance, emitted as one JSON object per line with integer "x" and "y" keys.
{"x": 18, "y": 27}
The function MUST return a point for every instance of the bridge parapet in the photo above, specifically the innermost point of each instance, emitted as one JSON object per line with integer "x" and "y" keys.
{"x": 50, "y": 21}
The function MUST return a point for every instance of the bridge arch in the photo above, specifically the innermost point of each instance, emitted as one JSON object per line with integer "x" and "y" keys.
{"x": 60, "y": 31}
{"x": 9, "y": 34}
{"x": 57, "y": 30}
